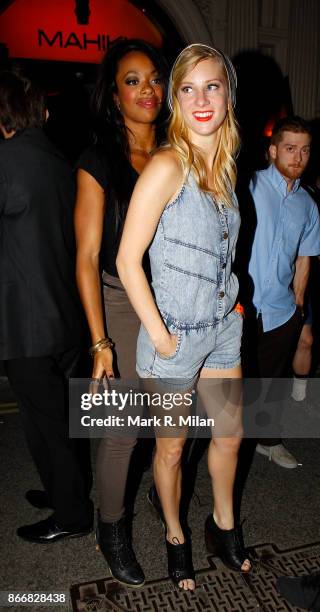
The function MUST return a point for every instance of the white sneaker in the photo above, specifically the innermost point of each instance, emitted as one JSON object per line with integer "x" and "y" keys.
{"x": 279, "y": 454}
{"x": 299, "y": 388}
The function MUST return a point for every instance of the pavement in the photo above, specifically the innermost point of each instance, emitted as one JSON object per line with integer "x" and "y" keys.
{"x": 279, "y": 506}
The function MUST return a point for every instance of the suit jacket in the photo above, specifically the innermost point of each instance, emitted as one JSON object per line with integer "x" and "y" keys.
{"x": 39, "y": 302}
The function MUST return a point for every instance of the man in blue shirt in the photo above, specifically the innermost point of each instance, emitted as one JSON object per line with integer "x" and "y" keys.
{"x": 287, "y": 233}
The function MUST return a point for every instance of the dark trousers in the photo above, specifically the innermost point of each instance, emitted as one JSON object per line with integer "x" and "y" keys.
{"x": 269, "y": 354}
{"x": 41, "y": 388}
{"x": 276, "y": 347}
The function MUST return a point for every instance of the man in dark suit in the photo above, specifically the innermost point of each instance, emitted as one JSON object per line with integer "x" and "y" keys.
{"x": 40, "y": 323}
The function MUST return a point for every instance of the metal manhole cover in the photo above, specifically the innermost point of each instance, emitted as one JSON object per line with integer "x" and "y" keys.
{"x": 218, "y": 589}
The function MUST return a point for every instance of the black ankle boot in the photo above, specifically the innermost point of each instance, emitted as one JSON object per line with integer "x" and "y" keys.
{"x": 118, "y": 552}
{"x": 225, "y": 544}
{"x": 180, "y": 566}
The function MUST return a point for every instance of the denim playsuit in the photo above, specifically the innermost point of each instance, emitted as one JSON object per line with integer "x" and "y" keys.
{"x": 195, "y": 290}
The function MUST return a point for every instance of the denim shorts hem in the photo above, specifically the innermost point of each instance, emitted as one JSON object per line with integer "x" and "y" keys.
{"x": 223, "y": 366}
{"x": 144, "y": 373}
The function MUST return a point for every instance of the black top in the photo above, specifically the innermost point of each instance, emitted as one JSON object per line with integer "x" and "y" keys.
{"x": 95, "y": 163}
{"x": 39, "y": 303}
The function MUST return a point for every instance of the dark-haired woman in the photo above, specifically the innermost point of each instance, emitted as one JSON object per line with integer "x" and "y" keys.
{"x": 127, "y": 102}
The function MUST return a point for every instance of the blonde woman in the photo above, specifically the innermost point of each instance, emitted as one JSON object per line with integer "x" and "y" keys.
{"x": 184, "y": 205}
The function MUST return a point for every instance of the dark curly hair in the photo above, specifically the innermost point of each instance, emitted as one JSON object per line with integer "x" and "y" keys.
{"x": 110, "y": 132}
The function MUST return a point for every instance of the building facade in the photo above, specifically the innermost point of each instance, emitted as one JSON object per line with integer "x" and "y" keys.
{"x": 286, "y": 30}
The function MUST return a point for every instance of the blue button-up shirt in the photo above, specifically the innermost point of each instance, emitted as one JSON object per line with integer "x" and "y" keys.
{"x": 288, "y": 225}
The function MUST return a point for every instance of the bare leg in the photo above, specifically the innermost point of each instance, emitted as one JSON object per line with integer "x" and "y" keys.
{"x": 223, "y": 458}
{"x": 167, "y": 476}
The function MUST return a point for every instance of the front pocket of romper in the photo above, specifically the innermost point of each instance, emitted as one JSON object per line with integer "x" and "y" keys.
{"x": 190, "y": 273}
{"x": 178, "y": 334}
{"x": 189, "y": 281}
{"x": 146, "y": 352}
{"x": 239, "y": 318}
{"x": 191, "y": 260}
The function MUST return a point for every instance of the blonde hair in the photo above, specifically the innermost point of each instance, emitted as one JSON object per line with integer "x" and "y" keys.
{"x": 224, "y": 167}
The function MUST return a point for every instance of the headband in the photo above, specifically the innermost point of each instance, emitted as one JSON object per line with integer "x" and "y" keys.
{"x": 230, "y": 70}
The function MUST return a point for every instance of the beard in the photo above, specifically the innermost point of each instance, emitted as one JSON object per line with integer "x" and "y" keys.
{"x": 290, "y": 172}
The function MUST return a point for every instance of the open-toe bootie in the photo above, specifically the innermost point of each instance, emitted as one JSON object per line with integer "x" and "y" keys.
{"x": 180, "y": 566}
{"x": 225, "y": 544}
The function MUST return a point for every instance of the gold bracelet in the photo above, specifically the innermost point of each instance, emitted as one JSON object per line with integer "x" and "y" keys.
{"x": 100, "y": 346}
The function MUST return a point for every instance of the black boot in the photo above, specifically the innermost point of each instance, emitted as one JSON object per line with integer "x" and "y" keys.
{"x": 180, "y": 566}
{"x": 118, "y": 552}
{"x": 225, "y": 544}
